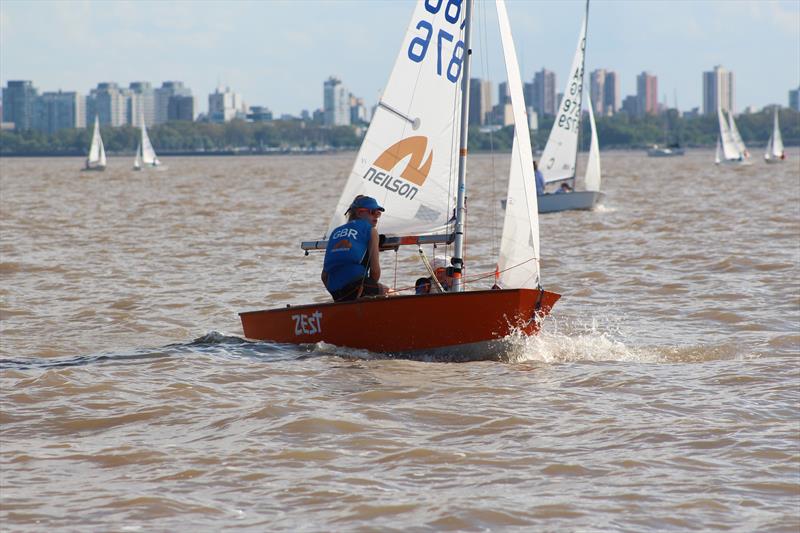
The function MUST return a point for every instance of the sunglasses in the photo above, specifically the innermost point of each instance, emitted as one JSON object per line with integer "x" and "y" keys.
{"x": 374, "y": 212}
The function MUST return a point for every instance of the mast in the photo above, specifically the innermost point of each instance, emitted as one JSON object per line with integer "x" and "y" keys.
{"x": 458, "y": 250}
{"x": 580, "y": 103}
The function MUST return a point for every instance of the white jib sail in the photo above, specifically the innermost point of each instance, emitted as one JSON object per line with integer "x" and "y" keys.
{"x": 148, "y": 153}
{"x": 137, "y": 161}
{"x": 519, "y": 247}
{"x": 560, "y": 152}
{"x": 737, "y": 139}
{"x": 718, "y": 154}
{"x": 729, "y": 149}
{"x": 408, "y": 160}
{"x": 777, "y": 139}
{"x": 592, "y": 177}
{"x": 97, "y": 153}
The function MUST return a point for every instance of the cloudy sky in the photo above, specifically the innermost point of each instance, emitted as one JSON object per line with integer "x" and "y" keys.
{"x": 278, "y": 53}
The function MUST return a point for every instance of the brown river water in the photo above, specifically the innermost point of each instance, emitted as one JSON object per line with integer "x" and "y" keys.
{"x": 662, "y": 395}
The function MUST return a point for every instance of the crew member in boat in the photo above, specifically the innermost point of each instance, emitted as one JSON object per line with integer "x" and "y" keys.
{"x": 443, "y": 274}
{"x": 351, "y": 268}
{"x": 422, "y": 286}
{"x": 539, "y": 179}
{"x": 564, "y": 188}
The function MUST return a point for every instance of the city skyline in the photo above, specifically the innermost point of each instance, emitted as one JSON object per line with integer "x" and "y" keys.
{"x": 282, "y": 69}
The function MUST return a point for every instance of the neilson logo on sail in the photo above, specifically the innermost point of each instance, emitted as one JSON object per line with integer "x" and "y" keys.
{"x": 413, "y": 175}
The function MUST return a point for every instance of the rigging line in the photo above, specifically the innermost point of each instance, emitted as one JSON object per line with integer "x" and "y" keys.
{"x": 487, "y": 71}
{"x": 488, "y": 274}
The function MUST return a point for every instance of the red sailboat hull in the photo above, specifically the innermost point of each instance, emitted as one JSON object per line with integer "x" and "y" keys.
{"x": 405, "y": 324}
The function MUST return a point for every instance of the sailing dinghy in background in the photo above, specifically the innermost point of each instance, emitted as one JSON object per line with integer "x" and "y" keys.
{"x": 96, "y": 160}
{"x": 412, "y": 160}
{"x": 560, "y": 156}
{"x": 730, "y": 146}
{"x": 145, "y": 154}
{"x": 775, "y": 152}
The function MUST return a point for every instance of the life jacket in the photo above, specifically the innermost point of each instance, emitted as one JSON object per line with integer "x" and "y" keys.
{"x": 346, "y": 255}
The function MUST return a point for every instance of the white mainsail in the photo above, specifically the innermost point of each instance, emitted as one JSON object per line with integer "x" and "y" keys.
{"x": 718, "y": 154}
{"x": 729, "y": 149}
{"x": 561, "y": 151}
{"x": 408, "y": 160}
{"x": 593, "y": 176}
{"x": 518, "y": 262}
{"x": 97, "y": 152}
{"x": 775, "y": 145}
{"x": 148, "y": 153}
{"x": 737, "y": 139}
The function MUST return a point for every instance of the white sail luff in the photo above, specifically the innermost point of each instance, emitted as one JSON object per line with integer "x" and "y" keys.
{"x": 737, "y": 139}
{"x": 729, "y": 150}
{"x": 408, "y": 159}
{"x": 559, "y": 155}
{"x": 593, "y": 176}
{"x": 97, "y": 153}
{"x": 718, "y": 153}
{"x": 777, "y": 139}
{"x": 102, "y": 160}
{"x": 518, "y": 262}
{"x": 148, "y": 153}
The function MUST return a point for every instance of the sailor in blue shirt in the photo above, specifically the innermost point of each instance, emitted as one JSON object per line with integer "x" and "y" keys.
{"x": 351, "y": 269}
{"x": 539, "y": 179}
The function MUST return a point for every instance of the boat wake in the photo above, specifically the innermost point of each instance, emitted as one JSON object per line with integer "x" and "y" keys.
{"x": 589, "y": 342}
{"x": 558, "y": 342}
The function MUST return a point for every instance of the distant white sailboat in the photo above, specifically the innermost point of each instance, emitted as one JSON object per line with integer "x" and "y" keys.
{"x": 730, "y": 147}
{"x": 145, "y": 154}
{"x": 775, "y": 152}
{"x": 560, "y": 155}
{"x": 97, "y": 153}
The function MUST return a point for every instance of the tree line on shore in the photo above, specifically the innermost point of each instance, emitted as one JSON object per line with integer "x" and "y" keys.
{"x": 619, "y": 131}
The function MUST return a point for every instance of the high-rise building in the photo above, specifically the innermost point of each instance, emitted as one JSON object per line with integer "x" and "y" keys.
{"x": 18, "y": 104}
{"x": 794, "y": 99}
{"x": 259, "y": 113}
{"x": 718, "y": 90}
{"x": 55, "y": 111}
{"x": 502, "y": 115}
{"x": 180, "y": 108}
{"x": 597, "y": 90}
{"x": 335, "y": 103}
{"x": 480, "y": 101}
{"x": 109, "y": 103}
{"x": 142, "y": 104}
{"x": 646, "y": 94}
{"x": 533, "y": 118}
{"x": 544, "y": 92}
{"x": 527, "y": 93}
{"x": 359, "y": 114}
{"x": 163, "y": 95}
{"x": 611, "y": 94}
{"x": 503, "y": 94}
{"x": 224, "y": 106}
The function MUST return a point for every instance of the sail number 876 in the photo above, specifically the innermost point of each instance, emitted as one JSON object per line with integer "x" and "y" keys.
{"x": 418, "y": 48}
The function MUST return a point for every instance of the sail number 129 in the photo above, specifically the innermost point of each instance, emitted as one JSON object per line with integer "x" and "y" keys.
{"x": 418, "y": 48}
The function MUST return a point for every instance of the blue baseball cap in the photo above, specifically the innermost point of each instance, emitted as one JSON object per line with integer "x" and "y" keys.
{"x": 366, "y": 202}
